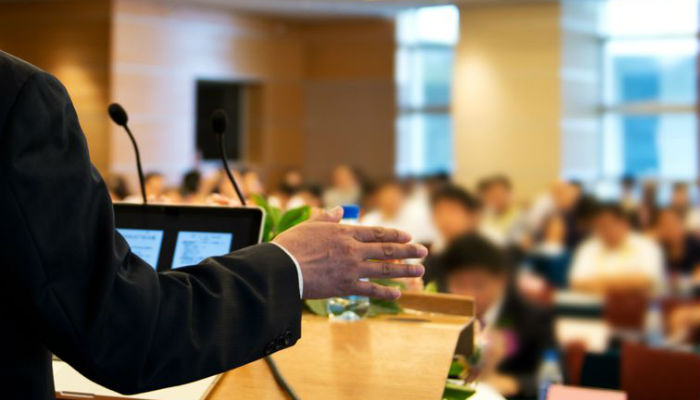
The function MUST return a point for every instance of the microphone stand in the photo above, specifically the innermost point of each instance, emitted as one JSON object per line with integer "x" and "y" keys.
{"x": 120, "y": 117}
{"x": 138, "y": 164}
{"x": 218, "y": 123}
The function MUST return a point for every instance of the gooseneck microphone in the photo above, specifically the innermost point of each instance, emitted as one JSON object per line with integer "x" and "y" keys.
{"x": 219, "y": 122}
{"x": 118, "y": 115}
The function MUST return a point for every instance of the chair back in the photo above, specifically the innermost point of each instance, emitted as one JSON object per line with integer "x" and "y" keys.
{"x": 652, "y": 374}
{"x": 625, "y": 309}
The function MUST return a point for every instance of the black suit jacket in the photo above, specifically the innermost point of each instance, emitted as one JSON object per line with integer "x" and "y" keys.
{"x": 70, "y": 285}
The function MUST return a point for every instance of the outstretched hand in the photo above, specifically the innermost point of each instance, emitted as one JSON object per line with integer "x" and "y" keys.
{"x": 333, "y": 257}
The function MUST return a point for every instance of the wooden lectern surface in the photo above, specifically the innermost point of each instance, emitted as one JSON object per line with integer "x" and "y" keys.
{"x": 388, "y": 357}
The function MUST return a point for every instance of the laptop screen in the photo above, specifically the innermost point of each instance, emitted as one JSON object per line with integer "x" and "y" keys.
{"x": 192, "y": 247}
{"x": 171, "y": 237}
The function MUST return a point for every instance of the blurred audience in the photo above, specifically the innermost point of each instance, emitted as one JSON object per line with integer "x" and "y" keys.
{"x": 309, "y": 195}
{"x": 455, "y": 212}
{"x": 191, "y": 186}
{"x": 345, "y": 187}
{"x": 252, "y": 184}
{"x": 681, "y": 249}
{"x": 648, "y": 207}
{"x": 515, "y": 331}
{"x": 628, "y": 196}
{"x": 562, "y": 223}
{"x": 502, "y": 220}
{"x": 155, "y": 185}
{"x": 388, "y": 200}
{"x": 680, "y": 199}
{"x": 293, "y": 180}
{"x": 681, "y": 202}
{"x": 616, "y": 257}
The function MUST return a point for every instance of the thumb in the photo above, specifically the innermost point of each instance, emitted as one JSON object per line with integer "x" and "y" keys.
{"x": 333, "y": 215}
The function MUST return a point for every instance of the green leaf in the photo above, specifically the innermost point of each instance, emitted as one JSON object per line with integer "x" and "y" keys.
{"x": 275, "y": 216}
{"x": 456, "y": 369}
{"x": 317, "y": 306}
{"x": 431, "y": 287}
{"x": 293, "y": 217}
{"x": 260, "y": 201}
{"x": 268, "y": 225}
{"x": 454, "y": 391}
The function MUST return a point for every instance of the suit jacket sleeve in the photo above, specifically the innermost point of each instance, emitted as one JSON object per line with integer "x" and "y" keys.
{"x": 93, "y": 302}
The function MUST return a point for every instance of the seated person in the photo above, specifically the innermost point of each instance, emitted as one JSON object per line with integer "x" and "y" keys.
{"x": 455, "y": 212}
{"x": 616, "y": 258}
{"x": 680, "y": 198}
{"x": 346, "y": 187}
{"x": 388, "y": 200}
{"x": 681, "y": 249}
{"x": 550, "y": 257}
{"x": 684, "y": 324}
{"x": 502, "y": 221}
{"x": 517, "y": 332}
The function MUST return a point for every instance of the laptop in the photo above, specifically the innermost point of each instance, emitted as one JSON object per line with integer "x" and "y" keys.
{"x": 169, "y": 237}
{"x": 174, "y": 236}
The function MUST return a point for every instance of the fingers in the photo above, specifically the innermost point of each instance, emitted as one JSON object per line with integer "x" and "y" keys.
{"x": 363, "y": 288}
{"x": 333, "y": 215}
{"x": 379, "y": 234}
{"x": 371, "y": 269}
{"x": 392, "y": 251}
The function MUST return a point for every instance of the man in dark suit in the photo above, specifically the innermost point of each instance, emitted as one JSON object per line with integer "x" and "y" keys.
{"x": 514, "y": 332}
{"x": 71, "y": 286}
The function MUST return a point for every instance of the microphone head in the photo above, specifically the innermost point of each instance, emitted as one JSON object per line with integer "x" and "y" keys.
{"x": 117, "y": 113}
{"x": 219, "y": 121}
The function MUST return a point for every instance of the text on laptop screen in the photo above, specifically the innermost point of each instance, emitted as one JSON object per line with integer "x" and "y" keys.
{"x": 193, "y": 247}
{"x": 145, "y": 243}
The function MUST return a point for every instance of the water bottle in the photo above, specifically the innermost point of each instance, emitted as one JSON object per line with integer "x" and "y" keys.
{"x": 654, "y": 325}
{"x": 348, "y": 308}
{"x": 548, "y": 374}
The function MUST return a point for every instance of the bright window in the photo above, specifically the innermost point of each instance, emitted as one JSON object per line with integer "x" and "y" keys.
{"x": 648, "y": 110}
{"x": 426, "y": 38}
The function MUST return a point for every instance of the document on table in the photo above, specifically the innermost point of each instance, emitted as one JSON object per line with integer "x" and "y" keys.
{"x": 71, "y": 383}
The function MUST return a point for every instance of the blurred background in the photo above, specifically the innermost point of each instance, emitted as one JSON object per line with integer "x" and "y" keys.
{"x": 546, "y": 151}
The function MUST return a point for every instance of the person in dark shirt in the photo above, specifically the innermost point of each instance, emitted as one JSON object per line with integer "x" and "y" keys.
{"x": 516, "y": 331}
{"x": 681, "y": 249}
{"x": 455, "y": 212}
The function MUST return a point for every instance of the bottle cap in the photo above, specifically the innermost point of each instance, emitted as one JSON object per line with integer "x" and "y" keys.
{"x": 351, "y": 211}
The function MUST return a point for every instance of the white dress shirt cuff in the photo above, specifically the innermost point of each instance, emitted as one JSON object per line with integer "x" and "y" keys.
{"x": 296, "y": 264}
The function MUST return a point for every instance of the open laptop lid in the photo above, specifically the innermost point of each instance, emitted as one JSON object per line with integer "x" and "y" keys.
{"x": 174, "y": 236}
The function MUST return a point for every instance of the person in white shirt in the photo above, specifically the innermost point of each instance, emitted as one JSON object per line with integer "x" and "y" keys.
{"x": 346, "y": 187}
{"x": 502, "y": 221}
{"x": 616, "y": 258}
{"x": 388, "y": 200}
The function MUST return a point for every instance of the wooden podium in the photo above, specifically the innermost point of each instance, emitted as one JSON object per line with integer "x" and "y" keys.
{"x": 404, "y": 356}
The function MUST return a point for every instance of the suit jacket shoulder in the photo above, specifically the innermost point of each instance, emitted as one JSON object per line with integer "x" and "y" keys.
{"x": 14, "y": 73}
